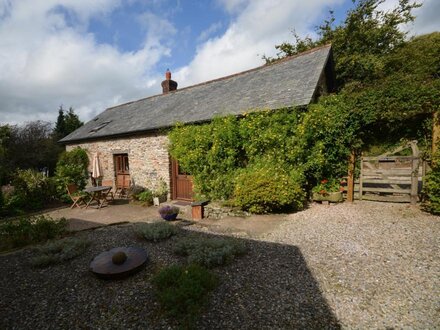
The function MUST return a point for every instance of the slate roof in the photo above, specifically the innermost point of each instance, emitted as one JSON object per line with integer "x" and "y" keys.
{"x": 289, "y": 82}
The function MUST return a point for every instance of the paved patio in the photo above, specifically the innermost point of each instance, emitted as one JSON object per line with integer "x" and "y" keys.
{"x": 122, "y": 211}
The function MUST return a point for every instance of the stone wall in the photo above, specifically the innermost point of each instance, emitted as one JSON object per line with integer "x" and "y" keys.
{"x": 148, "y": 157}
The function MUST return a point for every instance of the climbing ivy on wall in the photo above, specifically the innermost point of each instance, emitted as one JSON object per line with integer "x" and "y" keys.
{"x": 222, "y": 154}
{"x": 305, "y": 144}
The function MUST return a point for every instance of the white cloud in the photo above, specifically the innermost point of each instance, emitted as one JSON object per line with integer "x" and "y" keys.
{"x": 260, "y": 24}
{"x": 427, "y": 17}
{"x": 258, "y": 27}
{"x": 48, "y": 58}
{"x": 233, "y": 6}
{"x": 45, "y": 62}
{"x": 213, "y": 28}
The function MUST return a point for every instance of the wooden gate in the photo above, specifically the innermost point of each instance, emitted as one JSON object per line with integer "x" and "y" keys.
{"x": 391, "y": 178}
{"x": 122, "y": 174}
{"x": 181, "y": 183}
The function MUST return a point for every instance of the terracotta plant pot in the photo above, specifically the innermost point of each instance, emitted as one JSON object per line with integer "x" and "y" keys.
{"x": 333, "y": 197}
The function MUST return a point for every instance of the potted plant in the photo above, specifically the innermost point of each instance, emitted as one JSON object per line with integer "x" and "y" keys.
{"x": 328, "y": 190}
{"x": 168, "y": 212}
{"x": 160, "y": 195}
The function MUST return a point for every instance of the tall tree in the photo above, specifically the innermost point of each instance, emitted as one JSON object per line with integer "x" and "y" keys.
{"x": 5, "y": 137}
{"x": 67, "y": 122}
{"x": 32, "y": 146}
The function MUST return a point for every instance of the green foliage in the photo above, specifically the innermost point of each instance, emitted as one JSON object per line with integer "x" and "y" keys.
{"x": 59, "y": 251}
{"x": 209, "y": 252}
{"x": 156, "y": 231}
{"x": 134, "y": 191}
{"x": 71, "y": 168}
{"x": 161, "y": 190}
{"x": 218, "y": 144}
{"x": 267, "y": 188}
{"x": 27, "y": 230}
{"x": 5, "y": 136}
{"x": 67, "y": 122}
{"x": 27, "y": 147}
{"x": 32, "y": 190}
{"x": 419, "y": 56}
{"x": 183, "y": 291}
{"x": 217, "y": 153}
{"x": 431, "y": 187}
{"x": 145, "y": 197}
{"x": 140, "y": 194}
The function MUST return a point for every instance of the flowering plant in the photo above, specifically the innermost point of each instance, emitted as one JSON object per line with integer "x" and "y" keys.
{"x": 328, "y": 186}
{"x": 168, "y": 210}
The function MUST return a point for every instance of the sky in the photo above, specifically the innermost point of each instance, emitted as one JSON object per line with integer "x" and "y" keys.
{"x": 93, "y": 54}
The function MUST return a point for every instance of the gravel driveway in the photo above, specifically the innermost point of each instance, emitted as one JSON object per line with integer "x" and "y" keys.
{"x": 365, "y": 265}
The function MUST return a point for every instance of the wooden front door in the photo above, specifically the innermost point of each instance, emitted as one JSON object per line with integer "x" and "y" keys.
{"x": 182, "y": 183}
{"x": 122, "y": 172}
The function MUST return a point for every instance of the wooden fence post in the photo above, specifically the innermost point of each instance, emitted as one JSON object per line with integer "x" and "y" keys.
{"x": 350, "y": 178}
{"x": 414, "y": 172}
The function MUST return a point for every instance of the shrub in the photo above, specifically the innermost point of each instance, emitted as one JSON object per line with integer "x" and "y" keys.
{"x": 134, "y": 191}
{"x": 265, "y": 188}
{"x": 431, "y": 188}
{"x": 28, "y": 230}
{"x": 32, "y": 190}
{"x": 59, "y": 251}
{"x": 209, "y": 252}
{"x": 162, "y": 189}
{"x": 145, "y": 197}
{"x": 2, "y": 202}
{"x": 155, "y": 231}
{"x": 182, "y": 291}
{"x": 71, "y": 168}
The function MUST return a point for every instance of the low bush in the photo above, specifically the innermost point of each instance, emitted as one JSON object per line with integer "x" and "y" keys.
{"x": 431, "y": 188}
{"x": 31, "y": 191}
{"x": 155, "y": 231}
{"x": 209, "y": 252}
{"x": 146, "y": 197}
{"x": 134, "y": 191}
{"x": 27, "y": 230}
{"x": 263, "y": 188}
{"x": 59, "y": 251}
{"x": 183, "y": 291}
{"x": 71, "y": 168}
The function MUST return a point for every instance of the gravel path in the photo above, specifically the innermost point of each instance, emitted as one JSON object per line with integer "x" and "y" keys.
{"x": 366, "y": 265}
{"x": 377, "y": 264}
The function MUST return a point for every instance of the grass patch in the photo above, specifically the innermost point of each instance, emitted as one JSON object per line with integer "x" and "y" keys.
{"x": 209, "y": 252}
{"x": 155, "y": 231}
{"x": 183, "y": 291}
{"x": 59, "y": 251}
{"x": 28, "y": 230}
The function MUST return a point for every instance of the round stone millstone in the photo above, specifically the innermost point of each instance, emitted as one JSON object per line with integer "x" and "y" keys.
{"x": 104, "y": 266}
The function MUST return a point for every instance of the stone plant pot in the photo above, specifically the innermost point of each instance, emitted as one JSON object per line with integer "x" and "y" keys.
{"x": 333, "y": 197}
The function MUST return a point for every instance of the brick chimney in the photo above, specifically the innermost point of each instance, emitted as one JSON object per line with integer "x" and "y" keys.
{"x": 168, "y": 85}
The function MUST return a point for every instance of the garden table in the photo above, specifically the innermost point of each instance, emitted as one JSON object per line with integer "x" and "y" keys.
{"x": 97, "y": 194}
